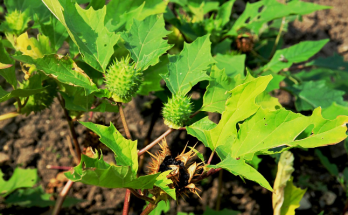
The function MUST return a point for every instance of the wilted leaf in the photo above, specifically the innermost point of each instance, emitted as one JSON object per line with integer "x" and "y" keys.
{"x": 292, "y": 198}
{"x": 35, "y": 48}
{"x": 285, "y": 169}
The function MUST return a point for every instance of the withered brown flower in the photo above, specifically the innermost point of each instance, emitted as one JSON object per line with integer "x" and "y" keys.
{"x": 182, "y": 172}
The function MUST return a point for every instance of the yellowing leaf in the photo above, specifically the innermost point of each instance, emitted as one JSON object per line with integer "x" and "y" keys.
{"x": 35, "y": 48}
{"x": 292, "y": 198}
{"x": 5, "y": 66}
{"x": 284, "y": 172}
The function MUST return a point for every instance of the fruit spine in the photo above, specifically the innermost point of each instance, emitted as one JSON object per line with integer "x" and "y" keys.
{"x": 123, "y": 80}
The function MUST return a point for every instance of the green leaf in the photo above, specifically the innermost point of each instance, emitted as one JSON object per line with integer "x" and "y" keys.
{"x": 145, "y": 41}
{"x": 332, "y": 168}
{"x": 224, "y": 12}
{"x": 97, "y": 172}
{"x": 120, "y": 14}
{"x": 268, "y": 102}
{"x": 187, "y": 68}
{"x": 55, "y": 31}
{"x": 17, "y": 180}
{"x": 334, "y": 110}
{"x": 62, "y": 69}
{"x": 125, "y": 150}
{"x": 292, "y": 198}
{"x": 152, "y": 77}
{"x": 4, "y": 95}
{"x": 270, "y": 129}
{"x": 335, "y": 62}
{"x": 36, "y": 197}
{"x": 239, "y": 106}
{"x": 162, "y": 207}
{"x": 259, "y": 13}
{"x": 239, "y": 167}
{"x": 233, "y": 65}
{"x": 274, "y": 84}
{"x": 162, "y": 182}
{"x": 8, "y": 73}
{"x": 87, "y": 30}
{"x": 16, "y": 22}
{"x": 312, "y": 94}
{"x": 300, "y": 52}
{"x": 217, "y": 93}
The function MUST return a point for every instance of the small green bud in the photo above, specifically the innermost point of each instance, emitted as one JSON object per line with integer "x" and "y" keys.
{"x": 16, "y": 22}
{"x": 123, "y": 80}
{"x": 177, "y": 111}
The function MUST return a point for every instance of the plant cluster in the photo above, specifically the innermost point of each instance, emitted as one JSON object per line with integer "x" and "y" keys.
{"x": 174, "y": 49}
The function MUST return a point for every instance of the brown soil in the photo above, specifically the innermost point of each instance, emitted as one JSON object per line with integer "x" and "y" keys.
{"x": 38, "y": 140}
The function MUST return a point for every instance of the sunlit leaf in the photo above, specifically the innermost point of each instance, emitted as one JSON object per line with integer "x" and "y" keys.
{"x": 125, "y": 150}
{"x": 17, "y": 180}
{"x": 188, "y": 68}
{"x": 145, "y": 41}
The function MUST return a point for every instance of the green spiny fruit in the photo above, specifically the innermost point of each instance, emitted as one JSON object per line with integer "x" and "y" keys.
{"x": 177, "y": 111}
{"x": 123, "y": 80}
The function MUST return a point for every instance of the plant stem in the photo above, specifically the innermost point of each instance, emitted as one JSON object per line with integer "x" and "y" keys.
{"x": 278, "y": 38}
{"x": 69, "y": 184}
{"x": 129, "y": 136}
{"x": 142, "y": 151}
{"x": 126, "y": 202}
{"x": 135, "y": 193}
{"x": 8, "y": 115}
{"x": 61, "y": 197}
{"x": 71, "y": 127}
{"x": 211, "y": 157}
{"x": 218, "y": 201}
{"x": 124, "y": 122}
{"x": 59, "y": 167}
{"x": 148, "y": 209}
{"x": 19, "y": 105}
{"x": 206, "y": 175}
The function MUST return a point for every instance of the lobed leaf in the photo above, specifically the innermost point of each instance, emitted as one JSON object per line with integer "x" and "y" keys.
{"x": 87, "y": 30}
{"x": 233, "y": 65}
{"x": 300, "y": 52}
{"x": 313, "y": 94}
{"x": 63, "y": 69}
{"x": 17, "y": 180}
{"x": 239, "y": 167}
{"x": 292, "y": 198}
{"x": 97, "y": 172}
{"x": 187, "y": 68}
{"x": 145, "y": 41}
{"x": 270, "y": 129}
{"x": 125, "y": 150}
{"x": 239, "y": 106}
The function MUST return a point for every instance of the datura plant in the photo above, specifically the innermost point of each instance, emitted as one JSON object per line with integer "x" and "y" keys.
{"x": 96, "y": 58}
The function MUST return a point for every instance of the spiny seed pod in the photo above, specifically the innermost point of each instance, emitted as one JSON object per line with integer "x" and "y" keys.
{"x": 123, "y": 80}
{"x": 182, "y": 173}
{"x": 177, "y": 111}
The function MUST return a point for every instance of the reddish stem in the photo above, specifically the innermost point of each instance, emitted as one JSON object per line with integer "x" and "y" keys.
{"x": 61, "y": 197}
{"x": 59, "y": 167}
{"x": 148, "y": 209}
{"x": 126, "y": 202}
{"x": 148, "y": 147}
